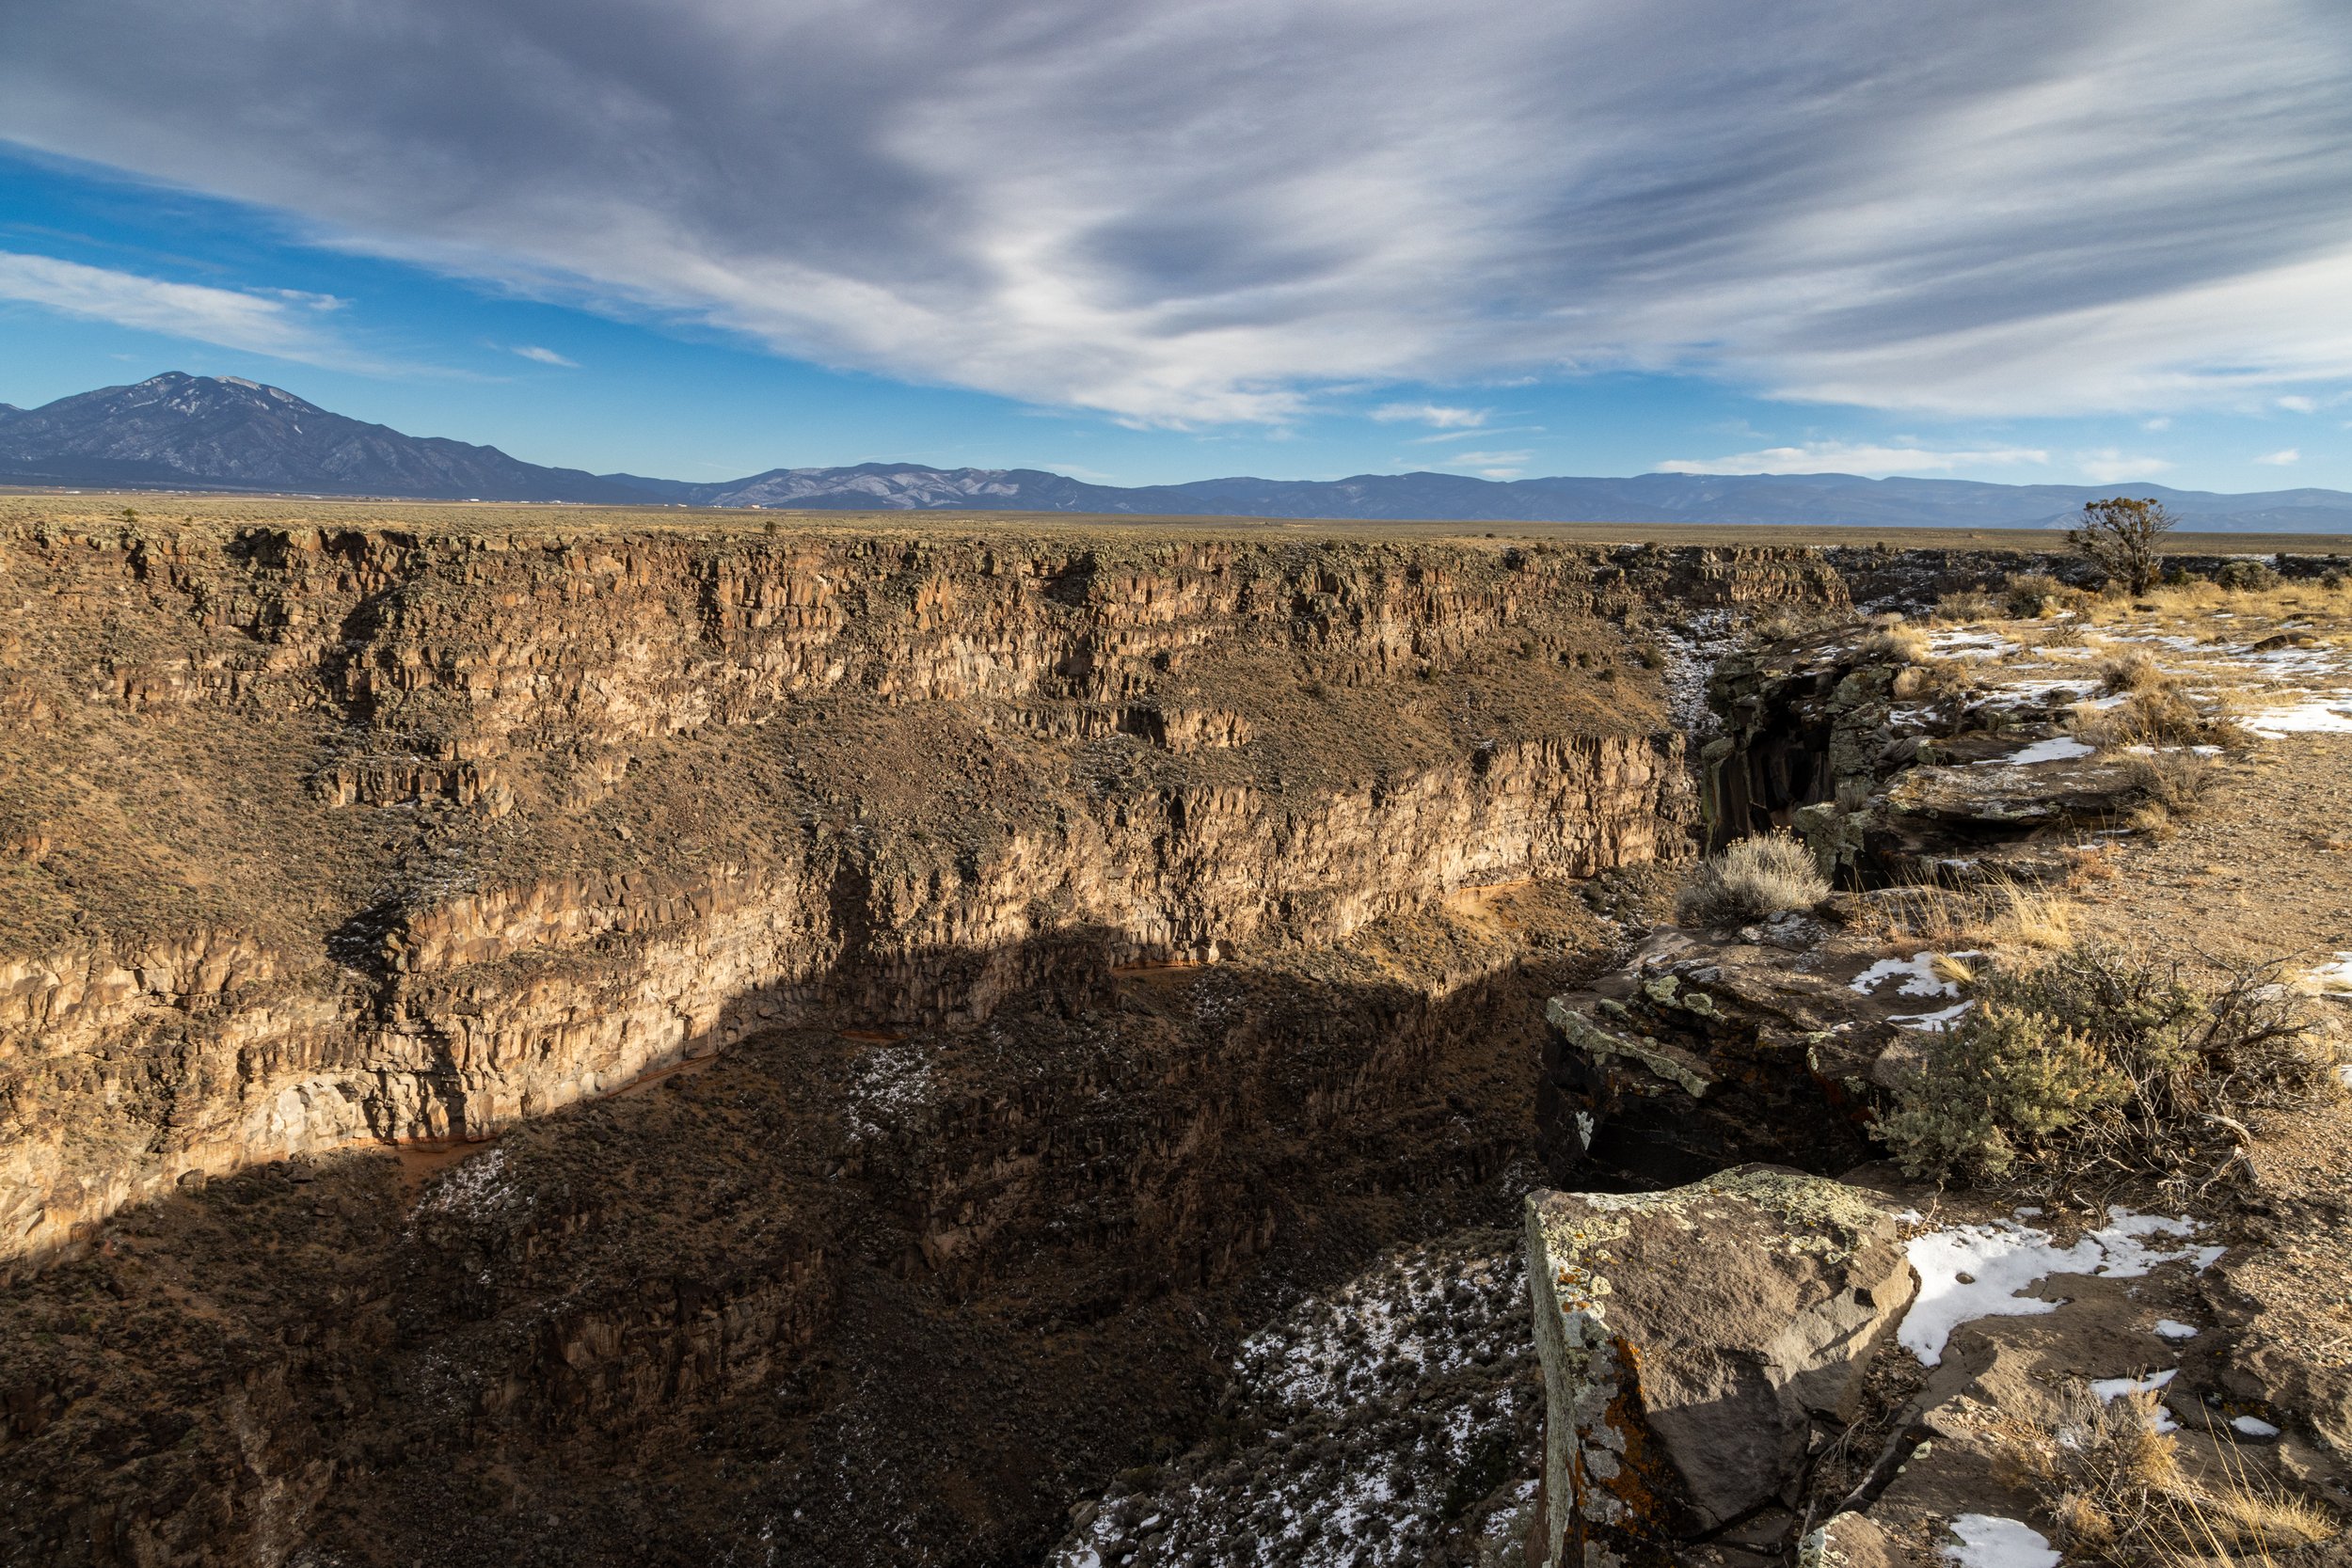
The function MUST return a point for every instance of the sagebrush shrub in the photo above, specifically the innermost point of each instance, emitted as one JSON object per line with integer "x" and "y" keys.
{"x": 2095, "y": 1057}
{"x": 1969, "y": 603}
{"x": 1755, "y": 878}
{"x": 2005, "y": 1075}
{"x": 2027, "y": 595}
{"x": 2247, "y": 577}
{"x": 2177, "y": 780}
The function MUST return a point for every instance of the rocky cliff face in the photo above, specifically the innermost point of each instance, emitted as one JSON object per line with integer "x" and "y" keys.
{"x": 319, "y": 836}
{"x": 1033, "y": 950}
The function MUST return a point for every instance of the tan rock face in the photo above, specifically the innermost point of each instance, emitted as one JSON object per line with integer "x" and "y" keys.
{"x": 322, "y": 836}
{"x": 1689, "y": 1338}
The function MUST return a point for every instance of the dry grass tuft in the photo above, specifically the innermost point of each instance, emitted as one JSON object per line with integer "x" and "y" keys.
{"x": 1775, "y": 623}
{"x": 2062, "y": 634}
{"x": 1997, "y": 913}
{"x": 2160, "y": 717}
{"x": 1898, "y": 645}
{"x": 2132, "y": 671}
{"x": 2086, "y": 864}
{"x": 2033, "y": 918}
{"x": 1973, "y": 604}
{"x": 1755, "y": 880}
{"x": 2119, "y": 1491}
{"x": 2176, "y": 780}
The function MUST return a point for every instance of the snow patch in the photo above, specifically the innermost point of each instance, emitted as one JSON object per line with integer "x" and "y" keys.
{"x": 2109, "y": 1390}
{"x": 474, "y": 1189}
{"x": 2329, "y": 715}
{"x": 2172, "y": 1328}
{"x": 2334, "y": 978}
{"x": 891, "y": 1084}
{"x": 2058, "y": 749}
{"x": 2004, "y": 1259}
{"x": 1971, "y": 645}
{"x": 1919, "y": 972}
{"x": 1932, "y": 1024}
{"x": 1988, "y": 1540}
{"x": 2253, "y": 1426}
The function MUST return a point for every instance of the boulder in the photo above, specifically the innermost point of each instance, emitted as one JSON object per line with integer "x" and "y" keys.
{"x": 1698, "y": 1054}
{"x": 1697, "y": 1345}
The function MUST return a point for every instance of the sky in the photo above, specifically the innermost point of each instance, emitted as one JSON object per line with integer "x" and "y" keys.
{"x": 1146, "y": 241}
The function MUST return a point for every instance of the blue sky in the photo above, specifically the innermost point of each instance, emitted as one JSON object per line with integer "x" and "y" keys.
{"x": 1145, "y": 242}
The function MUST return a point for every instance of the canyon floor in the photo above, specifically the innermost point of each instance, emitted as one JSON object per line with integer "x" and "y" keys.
{"x": 775, "y": 1042}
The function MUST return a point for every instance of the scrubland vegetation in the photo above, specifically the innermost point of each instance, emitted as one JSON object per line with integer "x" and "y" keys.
{"x": 2120, "y": 1491}
{"x": 2092, "y": 1058}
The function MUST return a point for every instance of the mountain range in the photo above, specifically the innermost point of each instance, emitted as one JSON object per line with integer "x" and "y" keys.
{"x": 189, "y": 432}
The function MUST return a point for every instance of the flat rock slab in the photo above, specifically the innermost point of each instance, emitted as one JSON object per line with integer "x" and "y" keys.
{"x": 1692, "y": 1342}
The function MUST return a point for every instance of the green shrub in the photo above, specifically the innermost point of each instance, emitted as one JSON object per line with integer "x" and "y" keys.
{"x": 2246, "y": 577}
{"x": 2027, "y": 595}
{"x": 1755, "y": 880}
{"x": 2094, "y": 1057}
{"x": 2001, "y": 1076}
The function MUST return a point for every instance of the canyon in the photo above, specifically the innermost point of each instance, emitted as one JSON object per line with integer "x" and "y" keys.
{"x": 671, "y": 1041}
{"x": 928, "y": 990}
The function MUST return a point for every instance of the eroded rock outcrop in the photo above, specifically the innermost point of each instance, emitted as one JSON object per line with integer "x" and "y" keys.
{"x": 1777, "y": 1042}
{"x": 1896, "y": 771}
{"x": 1698, "y": 1346}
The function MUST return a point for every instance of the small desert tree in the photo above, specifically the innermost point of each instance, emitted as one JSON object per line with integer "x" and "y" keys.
{"x": 2123, "y": 539}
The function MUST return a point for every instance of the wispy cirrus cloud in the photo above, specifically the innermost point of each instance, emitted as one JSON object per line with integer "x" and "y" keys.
{"x": 283, "y": 323}
{"x": 1201, "y": 211}
{"x": 1475, "y": 433}
{"x": 1844, "y": 457}
{"x": 1489, "y": 464}
{"x": 2286, "y": 458}
{"x": 2113, "y": 466}
{"x": 544, "y": 355}
{"x": 1434, "y": 415}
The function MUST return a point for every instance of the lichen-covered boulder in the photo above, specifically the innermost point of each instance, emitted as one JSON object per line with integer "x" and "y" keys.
{"x": 1693, "y": 1342}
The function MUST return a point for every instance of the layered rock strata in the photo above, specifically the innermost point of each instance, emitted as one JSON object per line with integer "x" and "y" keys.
{"x": 324, "y": 835}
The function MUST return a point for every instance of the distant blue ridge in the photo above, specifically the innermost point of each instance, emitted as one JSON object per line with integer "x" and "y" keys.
{"x": 187, "y": 432}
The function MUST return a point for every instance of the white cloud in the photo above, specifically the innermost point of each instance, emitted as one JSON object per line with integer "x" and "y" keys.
{"x": 1475, "y": 434}
{"x": 546, "y": 356}
{"x": 1431, "y": 414}
{"x": 1484, "y": 460}
{"x": 1200, "y": 210}
{"x": 2282, "y": 459}
{"x": 1841, "y": 457}
{"x": 2297, "y": 404}
{"x": 2162, "y": 421}
{"x": 2110, "y": 465}
{"x": 278, "y": 323}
